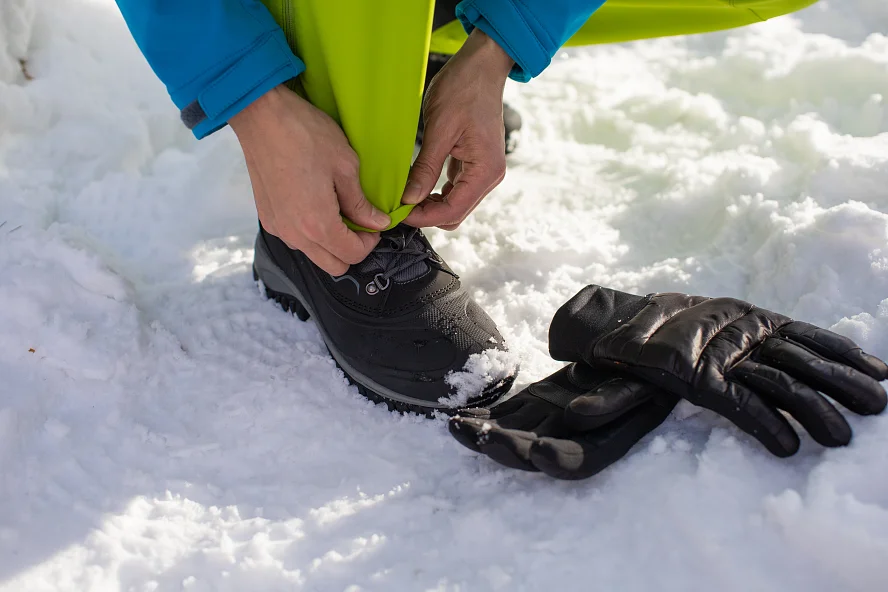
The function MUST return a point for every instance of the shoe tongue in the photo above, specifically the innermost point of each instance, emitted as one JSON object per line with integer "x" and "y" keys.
{"x": 385, "y": 257}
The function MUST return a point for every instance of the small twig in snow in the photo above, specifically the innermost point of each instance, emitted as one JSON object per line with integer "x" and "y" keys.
{"x": 24, "y": 64}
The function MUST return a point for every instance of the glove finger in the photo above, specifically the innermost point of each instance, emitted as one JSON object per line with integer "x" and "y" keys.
{"x": 817, "y": 415}
{"x": 855, "y": 390}
{"x": 511, "y": 448}
{"x": 583, "y": 455}
{"x": 753, "y": 415}
{"x": 606, "y": 403}
{"x": 526, "y": 416}
{"x": 506, "y": 407}
{"x": 465, "y": 430}
{"x": 835, "y": 347}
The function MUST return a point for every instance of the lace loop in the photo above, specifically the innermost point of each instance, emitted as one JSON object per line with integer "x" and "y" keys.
{"x": 408, "y": 253}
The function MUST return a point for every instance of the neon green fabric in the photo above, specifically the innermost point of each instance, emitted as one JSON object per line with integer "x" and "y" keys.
{"x": 365, "y": 64}
{"x": 365, "y": 67}
{"x": 631, "y": 20}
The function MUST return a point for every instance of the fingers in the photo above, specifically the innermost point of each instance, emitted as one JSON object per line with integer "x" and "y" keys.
{"x": 753, "y": 415}
{"x": 853, "y": 389}
{"x": 454, "y": 167}
{"x": 588, "y": 453}
{"x": 323, "y": 258}
{"x": 352, "y": 202}
{"x": 349, "y": 248}
{"x": 606, "y": 403}
{"x": 835, "y": 347}
{"x": 426, "y": 168}
{"x": 473, "y": 183}
{"x": 330, "y": 234}
{"x": 823, "y": 421}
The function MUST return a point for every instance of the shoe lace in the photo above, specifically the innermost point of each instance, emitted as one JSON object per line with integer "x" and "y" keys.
{"x": 399, "y": 250}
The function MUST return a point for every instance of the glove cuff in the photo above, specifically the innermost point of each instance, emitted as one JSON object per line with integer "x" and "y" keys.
{"x": 587, "y": 317}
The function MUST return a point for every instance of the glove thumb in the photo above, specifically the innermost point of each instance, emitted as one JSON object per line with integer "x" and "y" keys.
{"x": 609, "y": 401}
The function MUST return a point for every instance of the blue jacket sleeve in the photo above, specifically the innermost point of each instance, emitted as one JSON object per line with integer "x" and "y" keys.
{"x": 530, "y": 31}
{"x": 214, "y": 56}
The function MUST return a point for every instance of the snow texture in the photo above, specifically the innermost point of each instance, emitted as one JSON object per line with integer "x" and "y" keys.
{"x": 480, "y": 371}
{"x": 163, "y": 427}
{"x": 16, "y": 24}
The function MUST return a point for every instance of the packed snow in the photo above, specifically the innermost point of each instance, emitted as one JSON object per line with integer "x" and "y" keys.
{"x": 163, "y": 427}
{"x": 492, "y": 366}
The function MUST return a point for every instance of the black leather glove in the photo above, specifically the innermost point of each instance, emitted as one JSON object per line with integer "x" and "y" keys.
{"x": 727, "y": 355}
{"x": 570, "y": 425}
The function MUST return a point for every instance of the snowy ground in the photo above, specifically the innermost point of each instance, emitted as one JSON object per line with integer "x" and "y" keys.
{"x": 162, "y": 427}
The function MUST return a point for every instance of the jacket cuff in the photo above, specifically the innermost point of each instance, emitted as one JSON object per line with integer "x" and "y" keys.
{"x": 266, "y": 64}
{"x": 520, "y": 35}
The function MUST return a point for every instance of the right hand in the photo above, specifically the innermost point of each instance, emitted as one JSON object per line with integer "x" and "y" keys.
{"x": 305, "y": 178}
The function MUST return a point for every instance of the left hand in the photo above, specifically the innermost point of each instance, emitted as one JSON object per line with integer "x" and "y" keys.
{"x": 463, "y": 114}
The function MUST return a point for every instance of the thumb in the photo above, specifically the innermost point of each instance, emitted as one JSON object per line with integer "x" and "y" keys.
{"x": 425, "y": 170}
{"x": 606, "y": 403}
{"x": 355, "y": 206}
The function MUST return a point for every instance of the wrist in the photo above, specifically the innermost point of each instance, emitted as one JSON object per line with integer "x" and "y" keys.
{"x": 264, "y": 109}
{"x": 488, "y": 54}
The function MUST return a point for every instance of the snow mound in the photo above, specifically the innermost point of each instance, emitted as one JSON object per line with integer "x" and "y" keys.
{"x": 163, "y": 427}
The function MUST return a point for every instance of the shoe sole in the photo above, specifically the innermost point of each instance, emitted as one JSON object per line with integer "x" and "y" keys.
{"x": 281, "y": 289}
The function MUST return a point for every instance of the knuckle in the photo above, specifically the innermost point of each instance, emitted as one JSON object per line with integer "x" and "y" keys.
{"x": 422, "y": 168}
{"x": 350, "y": 163}
{"x": 360, "y": 205}
{"x": 313, "y": 230}
{"x": 499, "y": 170}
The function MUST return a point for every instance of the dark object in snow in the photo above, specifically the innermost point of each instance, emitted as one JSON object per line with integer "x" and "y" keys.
{"x": 570, "y": 425}
{"x": 396, "y": 324}
{"x": 743, "y": 362}
{"x": 24, "y": 66}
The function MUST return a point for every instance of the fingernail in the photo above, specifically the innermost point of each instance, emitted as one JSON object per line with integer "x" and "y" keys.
{"x": 380, "y": 219}
{"x": 412, "y": 193}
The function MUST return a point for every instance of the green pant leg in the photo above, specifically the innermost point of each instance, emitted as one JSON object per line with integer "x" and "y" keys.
{"x": 630, "y": 20}
{"x": 365, "y": 67}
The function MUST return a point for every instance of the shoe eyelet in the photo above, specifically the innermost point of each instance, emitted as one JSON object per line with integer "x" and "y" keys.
{"x": 379, "y": 283}
{"x": 384, "y": 283}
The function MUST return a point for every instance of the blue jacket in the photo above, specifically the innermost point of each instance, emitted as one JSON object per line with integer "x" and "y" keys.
{"x": 217, "y": 56}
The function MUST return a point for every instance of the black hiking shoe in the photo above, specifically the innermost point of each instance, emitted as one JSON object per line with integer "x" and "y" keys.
{"x": 511, "y": 118}
{"x": 398, "y": 324}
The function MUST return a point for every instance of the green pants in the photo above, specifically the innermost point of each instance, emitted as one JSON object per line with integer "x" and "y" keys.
{"x": 365, "y": 63}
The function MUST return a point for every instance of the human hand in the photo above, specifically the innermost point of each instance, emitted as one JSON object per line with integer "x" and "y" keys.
{"x": 305, "y": 178}
{"x": 570, "y": 425}
{"x": 463, "y": 115}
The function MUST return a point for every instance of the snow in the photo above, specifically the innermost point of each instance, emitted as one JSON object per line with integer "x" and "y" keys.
{"x": 172, "y": 430}
{"x": 480, "y": 371}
